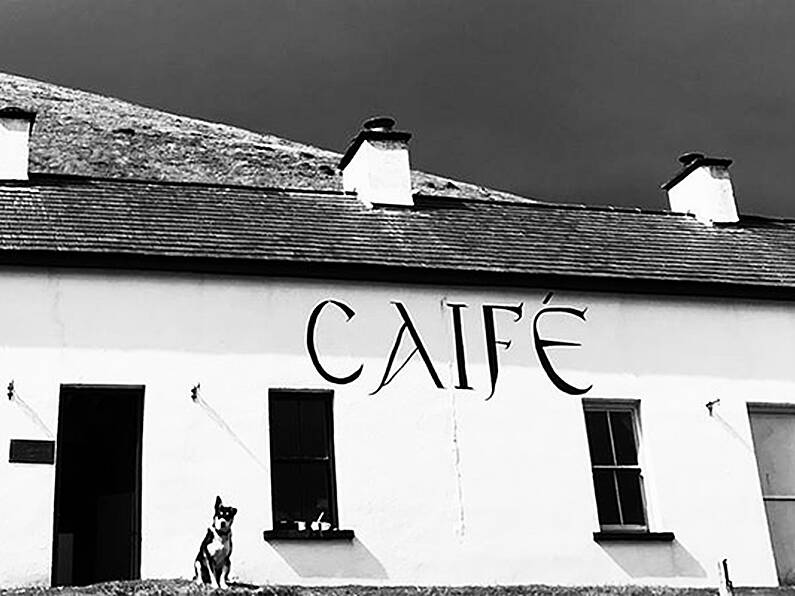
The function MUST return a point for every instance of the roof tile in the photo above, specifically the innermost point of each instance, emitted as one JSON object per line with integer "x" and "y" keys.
{"x": 69, "y": 214}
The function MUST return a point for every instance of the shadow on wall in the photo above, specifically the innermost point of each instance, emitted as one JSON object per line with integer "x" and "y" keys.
{"x": 654, "y": 559}
{"x": 348, "y": 559}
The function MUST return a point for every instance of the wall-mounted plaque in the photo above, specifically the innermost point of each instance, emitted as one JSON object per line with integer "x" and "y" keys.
{"x": 25, "y": 451}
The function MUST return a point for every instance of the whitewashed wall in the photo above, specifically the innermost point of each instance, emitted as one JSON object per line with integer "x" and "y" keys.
{"x": 440, "y": 486}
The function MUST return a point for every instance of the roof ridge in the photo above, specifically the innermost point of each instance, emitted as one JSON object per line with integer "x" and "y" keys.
{"x": 181, "y": 183}
{"x": 542, "y": 204}
{"x": 758, "y": 217}
{"x": 612, "y": 208}
{"x": 531, "y": 203}
{"x": 286, "y": 189}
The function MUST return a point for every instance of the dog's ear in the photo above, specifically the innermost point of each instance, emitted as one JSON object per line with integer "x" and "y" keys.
{"x": 217, "y": 502}
{"x": 234, "y": 511}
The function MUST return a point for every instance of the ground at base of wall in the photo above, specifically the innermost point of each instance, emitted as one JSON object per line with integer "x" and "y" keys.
{"x": 181, "y": 587}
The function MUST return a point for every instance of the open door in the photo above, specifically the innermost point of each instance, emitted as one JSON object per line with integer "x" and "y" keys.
{"x": 773, "y": 430}
{"x": 97, "y": 535}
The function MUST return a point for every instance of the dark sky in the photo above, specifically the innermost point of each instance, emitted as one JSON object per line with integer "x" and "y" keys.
{"x": 588, "y": 102}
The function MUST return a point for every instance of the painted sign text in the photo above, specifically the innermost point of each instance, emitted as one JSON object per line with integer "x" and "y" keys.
{"x": 408, "y": 332}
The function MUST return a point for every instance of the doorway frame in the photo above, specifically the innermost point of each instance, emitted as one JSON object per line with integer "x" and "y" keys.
{"x": 135, "y": 560}
{"x": 774, "y": 408}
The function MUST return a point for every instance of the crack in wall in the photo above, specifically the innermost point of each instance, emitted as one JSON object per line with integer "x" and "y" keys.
{"x": 461, "y": 530}
{"x": 56, "y": 310}
{"x": 457, "y": 455}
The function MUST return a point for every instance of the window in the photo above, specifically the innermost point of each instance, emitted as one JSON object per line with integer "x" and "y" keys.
{"x": 617, "y": 479}
{"x": 302, "y": 459}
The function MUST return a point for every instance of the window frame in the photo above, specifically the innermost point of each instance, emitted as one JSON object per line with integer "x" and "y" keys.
{"x": 327, "y": 395}
{"x": 631, "y": 406}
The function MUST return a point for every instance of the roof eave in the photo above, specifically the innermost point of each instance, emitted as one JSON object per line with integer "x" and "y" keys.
{"x": 389, "y": 273}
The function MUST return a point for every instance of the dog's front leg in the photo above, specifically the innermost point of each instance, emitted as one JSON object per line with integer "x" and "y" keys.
{"x": 213, "y": 578}
{"x": 207, "y": 564}
{"x": 197, "y": 566}
{"x": 224, "y": 582}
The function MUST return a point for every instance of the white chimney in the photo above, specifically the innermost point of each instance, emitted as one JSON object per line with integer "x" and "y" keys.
{"x": 376, "y": 164}
{"x": 15, "y": 125}
{"x": 703, "y": 187}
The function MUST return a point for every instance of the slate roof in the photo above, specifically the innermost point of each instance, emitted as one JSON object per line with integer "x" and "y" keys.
{"x": 86, "y": 134}
{"x": 121, "y": 186}
{"x": 317, "y": 233}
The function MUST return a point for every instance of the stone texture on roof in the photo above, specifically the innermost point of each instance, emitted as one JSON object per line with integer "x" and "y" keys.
{"x": 86, "y": 134}
{"x": 114, "y": 217}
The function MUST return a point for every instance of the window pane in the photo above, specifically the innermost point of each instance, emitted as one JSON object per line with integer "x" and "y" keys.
{"x": 316, "y": 484}
{"x": 286, "y": 491}
{"x": 606, "y": 502}
{"x": 782, "y": 534}
{"x": 314, "y": 428}
{"x": 302, "y": 488}
{"x": 624, "y": 438}
{"x": 775, "y": 450}
{"x": 629, "y": 490}
{"x": 284, "y": 427}
{"x": 598, "y": 438}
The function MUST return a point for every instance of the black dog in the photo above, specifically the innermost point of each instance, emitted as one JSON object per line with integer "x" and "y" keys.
{"x": 212, "y": 563}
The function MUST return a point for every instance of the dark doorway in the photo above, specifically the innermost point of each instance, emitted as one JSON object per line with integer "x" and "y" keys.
{"x": 98, "y": 484}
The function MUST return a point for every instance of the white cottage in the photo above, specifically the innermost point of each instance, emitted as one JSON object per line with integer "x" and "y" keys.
{"x": 395, "y": 377}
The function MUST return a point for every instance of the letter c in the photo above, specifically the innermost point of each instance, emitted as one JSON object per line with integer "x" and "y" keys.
{"x": 310, "y": 343}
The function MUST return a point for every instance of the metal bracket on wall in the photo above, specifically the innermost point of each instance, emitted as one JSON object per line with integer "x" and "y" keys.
{"x": 13, "y": 396}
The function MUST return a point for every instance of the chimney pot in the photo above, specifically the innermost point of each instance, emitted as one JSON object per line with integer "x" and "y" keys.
{"x": 687, "y": 158}
{"x": 380, "y": 123}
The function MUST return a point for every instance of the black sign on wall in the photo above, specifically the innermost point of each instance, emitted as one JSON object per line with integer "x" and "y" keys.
{"x": 26, "y": 451}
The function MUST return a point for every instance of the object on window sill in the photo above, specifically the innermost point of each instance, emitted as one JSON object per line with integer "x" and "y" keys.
{"x": 632, "y": 536}
{"x": 294, "y": 534}
{"x": 315, "y": 526}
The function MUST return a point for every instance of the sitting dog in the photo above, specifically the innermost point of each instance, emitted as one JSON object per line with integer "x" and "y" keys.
{"x": 212, "y": 563}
